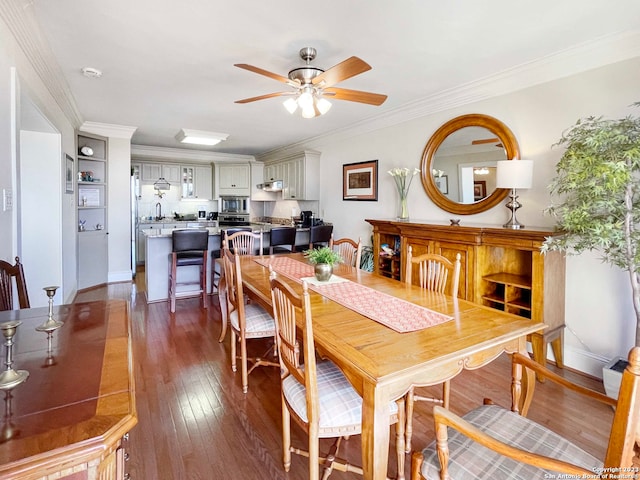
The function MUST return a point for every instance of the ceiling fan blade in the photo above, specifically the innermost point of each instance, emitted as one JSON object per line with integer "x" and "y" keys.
{"x": 275, "y": 76}
{"x": 263, "y": 97}
{"x": 355, "y": 96}
{"x": 349, "y": 68}
{"x": 484, "y": 140}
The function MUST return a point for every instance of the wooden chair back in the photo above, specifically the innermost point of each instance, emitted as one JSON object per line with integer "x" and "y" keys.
{"x": 233, "y": 285}
{"x": 350, "y": 251}
{"x": 435, "y": 272}
{"x": 286, "y": 305}
{"x": 244, "y": 243}
{"x": 9, "y": 272}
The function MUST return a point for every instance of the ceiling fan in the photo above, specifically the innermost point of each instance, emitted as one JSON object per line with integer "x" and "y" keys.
{"x": 312, "y": 85}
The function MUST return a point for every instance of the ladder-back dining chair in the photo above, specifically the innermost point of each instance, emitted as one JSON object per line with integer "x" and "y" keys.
{"x": 8, "y": 273}
{"x": 492, "y": 442}
{"x": 438, "y": 274}
{"x": 245, "y": 243}
{"x": 350, "y": 251}
{"x": 190, "y": 247}
{"x": 316, "y": 394}
{"x": 282, "y": 240}
{"x": 247, "y": 320}
{"x": 216, "y": 267}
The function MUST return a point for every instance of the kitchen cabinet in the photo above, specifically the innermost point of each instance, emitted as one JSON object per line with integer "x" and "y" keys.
{"x": 91, "y": 204}
{"x": 153, "y": 171}
{"x": 234, "y": 179}
{"x": 500, "y": 268}
{"x": 300, "y": 174}
{"x": 196, "y": 182}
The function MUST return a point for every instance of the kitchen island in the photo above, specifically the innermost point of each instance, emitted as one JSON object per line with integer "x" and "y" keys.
{"x": 158, "y": 248}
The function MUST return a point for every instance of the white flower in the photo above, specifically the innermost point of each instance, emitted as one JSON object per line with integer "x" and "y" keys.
{"x": 400, "y": 176}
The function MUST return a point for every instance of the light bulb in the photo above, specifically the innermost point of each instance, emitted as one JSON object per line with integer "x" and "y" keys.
{"x": 308, "y": 111}
{"x": 291, "y": 105}
{"x": 305, "y": 100}
{"x": 323, "y": 105}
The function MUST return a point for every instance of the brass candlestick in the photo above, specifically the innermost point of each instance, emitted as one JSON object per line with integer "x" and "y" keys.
{"x": 10, "y": 378}
{"x": 50, "y": 324}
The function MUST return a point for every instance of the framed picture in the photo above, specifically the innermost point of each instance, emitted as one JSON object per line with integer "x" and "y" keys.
{"x": 70, "y": 174}
{"x": 479, "y": 189}
{"x": 442, "y": 182}
{"x": 360, "y": 181}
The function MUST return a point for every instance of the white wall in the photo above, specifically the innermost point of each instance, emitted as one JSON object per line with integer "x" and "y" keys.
{"x": 599, "y": 312}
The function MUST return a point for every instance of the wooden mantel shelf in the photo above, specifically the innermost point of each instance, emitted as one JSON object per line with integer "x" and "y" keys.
{"x": 69, "y": 418}
{"x": 501, "y": 268}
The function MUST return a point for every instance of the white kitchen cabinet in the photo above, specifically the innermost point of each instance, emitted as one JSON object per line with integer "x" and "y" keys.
{"x": 196, "y": 182}
{"x": 91, "y": 205}
{"x": 233, "y": 179}
{"x": 150, "y": 172}
{"x": 300, "y": 174}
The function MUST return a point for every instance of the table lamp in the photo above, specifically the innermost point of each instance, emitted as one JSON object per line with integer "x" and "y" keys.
{"x": 514, "y": 174}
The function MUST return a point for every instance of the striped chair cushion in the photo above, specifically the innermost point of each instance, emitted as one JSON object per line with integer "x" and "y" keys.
{"x": 258, "y": 321}
{"x": 469, "y": 460}
{"x": 340, "y": 404}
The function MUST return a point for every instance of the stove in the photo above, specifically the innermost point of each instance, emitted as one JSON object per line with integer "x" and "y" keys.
{"x": 233, "y": 220}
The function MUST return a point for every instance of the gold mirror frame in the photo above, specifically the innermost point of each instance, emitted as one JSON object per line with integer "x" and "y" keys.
{"x": 472, "y": 120}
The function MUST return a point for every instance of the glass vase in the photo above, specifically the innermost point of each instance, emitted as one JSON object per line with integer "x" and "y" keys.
{"x": 403, "y": 209}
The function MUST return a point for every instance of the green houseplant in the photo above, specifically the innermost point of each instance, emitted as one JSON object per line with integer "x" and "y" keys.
{"x": 323, "y": 259}
{"x": 598, "y": 188}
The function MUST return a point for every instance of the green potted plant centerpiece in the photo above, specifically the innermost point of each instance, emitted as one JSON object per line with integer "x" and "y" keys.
{"x": 598, "y": 188}
{"x": 322, "y": 259}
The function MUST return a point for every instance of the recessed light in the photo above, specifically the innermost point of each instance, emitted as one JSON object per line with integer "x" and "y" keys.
{"x": 199, "y": 137}
{"x": 91, "y": 72}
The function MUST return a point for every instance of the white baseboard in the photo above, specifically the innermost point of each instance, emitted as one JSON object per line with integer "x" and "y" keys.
{"x": 123, "y": 276}
{"x": 584, "y": 361}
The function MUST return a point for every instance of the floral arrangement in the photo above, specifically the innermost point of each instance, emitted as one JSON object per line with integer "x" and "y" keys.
{"x": 403, "y": 178}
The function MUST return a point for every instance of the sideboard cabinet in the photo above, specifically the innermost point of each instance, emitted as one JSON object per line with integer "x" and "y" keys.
{"x": 500, "y": 268}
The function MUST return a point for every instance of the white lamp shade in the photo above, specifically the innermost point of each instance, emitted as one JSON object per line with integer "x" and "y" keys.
{"x": 514, "y": 174}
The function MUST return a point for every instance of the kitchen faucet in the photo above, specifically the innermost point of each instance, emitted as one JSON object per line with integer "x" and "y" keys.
{"x": 158, "y": 211}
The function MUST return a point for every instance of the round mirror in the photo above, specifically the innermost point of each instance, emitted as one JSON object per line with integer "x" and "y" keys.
{"x": 458, "y": 167}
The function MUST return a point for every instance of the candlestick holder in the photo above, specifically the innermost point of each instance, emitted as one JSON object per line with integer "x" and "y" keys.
{"x": 10, "y": 378}
{"x": 50, "y": 324}
{"x": 8, "y": 429}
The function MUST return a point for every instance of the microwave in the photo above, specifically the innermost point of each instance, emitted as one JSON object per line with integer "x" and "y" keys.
{"x": 233, "y": 204}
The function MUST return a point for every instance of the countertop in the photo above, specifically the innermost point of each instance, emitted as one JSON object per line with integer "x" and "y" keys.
{"x": 256, "y": 227}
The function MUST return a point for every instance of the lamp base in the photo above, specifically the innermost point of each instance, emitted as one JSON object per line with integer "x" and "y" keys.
{"x": 513, "y": 205}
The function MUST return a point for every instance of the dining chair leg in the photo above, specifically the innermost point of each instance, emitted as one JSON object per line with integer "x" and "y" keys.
{"x": 224, "y": 310}
{"x": 233, "y": 351}
{"x": 314, "y": 453}
{"x": 243, "y": 365}
{"x": 203, "y": 281}
{"x": 286, "y": 436}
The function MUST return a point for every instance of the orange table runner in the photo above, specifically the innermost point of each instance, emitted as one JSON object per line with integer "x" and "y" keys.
{"x": 393, "y": 312}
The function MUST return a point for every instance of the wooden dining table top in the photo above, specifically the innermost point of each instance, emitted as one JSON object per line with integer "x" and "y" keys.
{"x": 79, "y": 395}
{"x": 383, "y": 364}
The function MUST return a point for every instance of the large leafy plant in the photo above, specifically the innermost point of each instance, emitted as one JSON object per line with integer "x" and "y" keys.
{"x": 322, "y": 255}
{"x": 598, "y": 190}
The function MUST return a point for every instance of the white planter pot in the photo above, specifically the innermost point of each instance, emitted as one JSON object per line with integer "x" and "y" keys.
{"x": 612, "y": 376}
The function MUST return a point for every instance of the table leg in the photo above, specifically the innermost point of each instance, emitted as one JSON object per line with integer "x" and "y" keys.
{"x": 375, "y": 433}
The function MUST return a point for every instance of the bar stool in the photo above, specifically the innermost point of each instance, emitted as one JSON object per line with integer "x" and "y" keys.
{"x": 190, "y": 248}
{"x": 282, "y": 237}
{"x": 321, "y": 235}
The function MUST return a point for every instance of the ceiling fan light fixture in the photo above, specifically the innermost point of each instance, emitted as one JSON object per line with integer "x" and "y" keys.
{"x": 291, "y": 105}
{"x": 308, "y": 111}
{"x": 305, "y": 100}
{"x": 199, "y": 137}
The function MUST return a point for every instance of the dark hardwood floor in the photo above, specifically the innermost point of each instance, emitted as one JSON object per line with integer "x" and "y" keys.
{"x": 194, "y": 422}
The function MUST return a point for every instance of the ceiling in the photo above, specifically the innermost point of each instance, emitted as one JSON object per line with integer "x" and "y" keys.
{"x": 168, "y": 65}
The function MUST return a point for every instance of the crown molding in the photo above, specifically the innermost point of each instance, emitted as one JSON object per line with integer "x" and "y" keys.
{"x": 142, "y": 152}
{"x": 108, "y": 130}
{"x": 21, "y": 22}
{"x": 571, "y": 61}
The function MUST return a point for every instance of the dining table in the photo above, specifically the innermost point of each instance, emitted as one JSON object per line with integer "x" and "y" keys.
{"x": 387, "y": 336}
{"x": 70, "y": 414}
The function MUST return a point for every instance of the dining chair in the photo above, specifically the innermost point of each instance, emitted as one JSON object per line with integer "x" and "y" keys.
{"x": 350, "y": 251}
{"x": 9, "y": 272}
{"x": 492, "y": 442}
{"x": 244, "y": 243}
{"x": 247, "y": 320}
{"x": 216, "y": 268}
{"x": 189, "y": 248}
{"x": 282, "y": 240}
{"x": 316, "y": 394}
{"x": 320, "y": 235}
{"x": 435, "y": 273}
